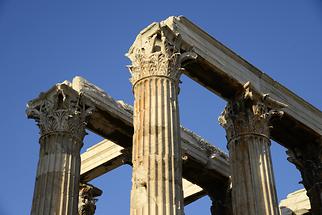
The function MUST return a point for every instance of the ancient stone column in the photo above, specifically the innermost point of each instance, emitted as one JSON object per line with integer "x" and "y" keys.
{"x": 221, "y": 200}
{"x": 246, "y": 121}
{"x": 87, "y": 199}
{"x": 61, "y": 120}
{"x": 156, "y": 156}
{"x": 308, "y": 159}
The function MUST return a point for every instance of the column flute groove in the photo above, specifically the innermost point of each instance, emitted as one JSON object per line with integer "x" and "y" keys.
{"x": 62, "y": 121}
{"x": 157, "y": 175}
{"x": 246, "y": 121}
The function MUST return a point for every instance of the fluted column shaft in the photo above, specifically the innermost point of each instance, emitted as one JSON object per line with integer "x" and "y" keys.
{"x": 156, "y": 156}
{"x": 246, "y": 122}
{"x": 156, "y": 151}
{"x": 57, "y": 175}
{"x": 252, "y": 176}
{"x": 62, "y": 127}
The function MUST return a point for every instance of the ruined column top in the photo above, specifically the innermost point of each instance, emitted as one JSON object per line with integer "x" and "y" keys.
{"x": 60, "y": 110}
{"x": 250, "y": 100}
{"x": 64, "y": 87}
{"x": 215, "y": 61}
{"x": 249, "y": 114}
{"x": 156, "y": 52}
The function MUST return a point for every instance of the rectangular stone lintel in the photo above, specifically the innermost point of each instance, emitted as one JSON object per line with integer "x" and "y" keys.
{"x": 224, "y": 72}
{"x": 113, "y": 120}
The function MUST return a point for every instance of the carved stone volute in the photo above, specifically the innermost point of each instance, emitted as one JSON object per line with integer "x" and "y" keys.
{"x": 59, "y": 112}
{"x": 155, "y": 54}
{"x": 249, "y": 114}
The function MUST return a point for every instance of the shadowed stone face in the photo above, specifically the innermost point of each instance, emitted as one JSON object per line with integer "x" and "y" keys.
{"x": 87, "y": 199}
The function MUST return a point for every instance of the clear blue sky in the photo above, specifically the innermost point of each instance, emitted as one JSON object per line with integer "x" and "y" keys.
{"x": 45, "y": 42}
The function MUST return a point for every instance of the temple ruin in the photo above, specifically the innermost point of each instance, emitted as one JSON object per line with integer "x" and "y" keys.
{"x": 168, "y": 160}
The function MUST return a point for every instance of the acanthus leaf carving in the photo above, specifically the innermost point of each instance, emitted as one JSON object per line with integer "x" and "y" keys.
{"x": 58, "y": 112}
{"x": 155, "y": 55}
{"x": 250, "y": 113}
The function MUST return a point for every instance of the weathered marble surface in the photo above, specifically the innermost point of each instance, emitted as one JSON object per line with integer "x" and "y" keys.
{"x": 113, "y": 120}
{"x": 246, "y": 120}
{"x": 106, "y": 156}
{"x": 224, "y": 72}
{"x": 61, "y": 118}
{"x": 296, "y": 203}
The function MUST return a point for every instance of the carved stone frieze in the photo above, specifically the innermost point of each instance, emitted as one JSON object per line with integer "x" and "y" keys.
{"x": 155, "y": 55}
{"x": 58, "y": 112}
{"x": 87, "y": 199}
{"x": 249, "y": 114}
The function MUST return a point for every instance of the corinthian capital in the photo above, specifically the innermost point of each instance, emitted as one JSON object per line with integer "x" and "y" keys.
{"x": 155, "y": 52}
{"x": 249, "y": 113}
{"x": 58, "y": 111}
